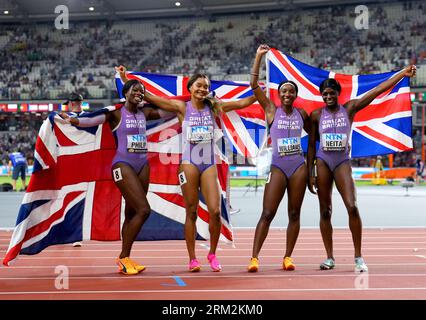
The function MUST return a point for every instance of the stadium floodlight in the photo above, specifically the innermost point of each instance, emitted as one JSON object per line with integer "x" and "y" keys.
{"x": 177, "y": 4}
{"x": 6, "y": 12}
{"x": 91, "y": 8}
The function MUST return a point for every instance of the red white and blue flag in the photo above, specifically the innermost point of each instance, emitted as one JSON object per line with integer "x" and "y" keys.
{"x": 381, "y": 128}
{"x": 66, "y": 198}
{"x": 71, "y": 195}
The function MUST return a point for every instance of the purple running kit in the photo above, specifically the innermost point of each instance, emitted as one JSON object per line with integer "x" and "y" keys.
{"x": 130, "y": 137}
{"x": 334, "y": 132}
{"x": 286, "y": 135}
{"x": 198, "y": 137}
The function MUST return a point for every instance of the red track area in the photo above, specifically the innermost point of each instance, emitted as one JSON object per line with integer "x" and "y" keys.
{"x": 396, "y": 259}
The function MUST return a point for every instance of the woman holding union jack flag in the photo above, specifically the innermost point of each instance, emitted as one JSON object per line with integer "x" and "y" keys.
{"x": 331, "y": 127}
{"x": 130, "y": 166}
{"x": 288, "y": 167}
{"x": 197, "y": 169}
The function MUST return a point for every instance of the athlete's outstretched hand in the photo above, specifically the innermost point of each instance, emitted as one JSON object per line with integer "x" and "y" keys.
{"x": 64, "y": 116}
{"x": 263, "y": 48}
{"x": 68, "y": 119}
{"x": 121, "y": 70}
{"x": 410, "y": 71}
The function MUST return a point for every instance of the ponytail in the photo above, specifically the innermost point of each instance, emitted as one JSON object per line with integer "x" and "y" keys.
{"x": 211, "y": 102}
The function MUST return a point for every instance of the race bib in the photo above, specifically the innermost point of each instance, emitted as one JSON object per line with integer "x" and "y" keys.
{"x": 289, "y": 146}
{"x": 334, "y": 141}
{"x": 136, "y": 143}
{"x": 200, "y": 134}
{"x": 116, "y": 173}
{"x": 182, "y": 178}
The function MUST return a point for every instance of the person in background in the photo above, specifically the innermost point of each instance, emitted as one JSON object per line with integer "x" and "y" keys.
{"x": 378, "y": 168}
{"x": 17, "y": 167}
{"x": 420, "y": 170}
{"x": 74, "y": 103}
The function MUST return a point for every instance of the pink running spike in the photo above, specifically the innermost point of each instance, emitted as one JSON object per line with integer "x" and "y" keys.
{"x": 214, "y": 263}
{"x": 194, "y": 265}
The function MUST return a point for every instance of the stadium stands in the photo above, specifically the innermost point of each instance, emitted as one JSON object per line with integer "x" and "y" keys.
{"x": 39, "y": 62}
{"x": 19, "y": 132}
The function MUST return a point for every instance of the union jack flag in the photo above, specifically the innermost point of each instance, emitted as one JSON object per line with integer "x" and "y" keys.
{"x": 71, "y": 195}
{"x": 381, "y": 128}
{"x": 63, "y": 201}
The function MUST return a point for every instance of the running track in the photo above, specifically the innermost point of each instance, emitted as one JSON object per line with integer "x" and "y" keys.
{"x": 396, "y": 258}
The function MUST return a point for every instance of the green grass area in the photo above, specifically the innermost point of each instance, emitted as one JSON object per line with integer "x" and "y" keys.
{"x": 6, "y": 179}
{"x": 247, "y": 182}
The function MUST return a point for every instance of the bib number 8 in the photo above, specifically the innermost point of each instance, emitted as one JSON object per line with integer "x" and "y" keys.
{"x": 182, "y": 178}
{"x": 116, "y": 173}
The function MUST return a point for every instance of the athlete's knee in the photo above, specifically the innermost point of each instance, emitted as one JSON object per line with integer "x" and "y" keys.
{"x": 353, "y": 210}
{"x": 214, "y": 214}
{"x": 192, "y": 208}
{"x": 267, "y": 215}
{"x": 144, "y": 211}
{"x": 192, "y": 215}
{"x": 294, "y": 215}
{"x": 326, "y": 214}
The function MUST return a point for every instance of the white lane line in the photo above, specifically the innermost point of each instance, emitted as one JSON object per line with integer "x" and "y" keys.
{"x": 251, "y": 290}
{"x": 35, "y": 257}
{"x": 168, "y": 266}
{"x": 215, "y": 277}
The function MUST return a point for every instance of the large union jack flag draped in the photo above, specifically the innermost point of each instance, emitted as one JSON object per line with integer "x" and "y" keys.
{"x": 63, "y": 201}
{"x": 381, "y": 128}
{"x": 71, "y": 195}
